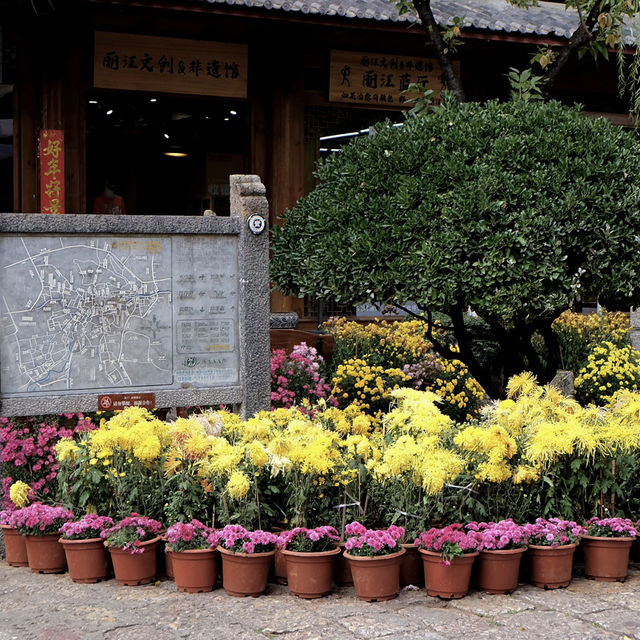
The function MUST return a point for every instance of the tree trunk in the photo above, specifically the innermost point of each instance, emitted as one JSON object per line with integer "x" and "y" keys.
{"x": 423, "y": 8}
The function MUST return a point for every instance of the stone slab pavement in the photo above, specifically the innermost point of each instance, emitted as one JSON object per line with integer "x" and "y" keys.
{"x": 52, "y": 607}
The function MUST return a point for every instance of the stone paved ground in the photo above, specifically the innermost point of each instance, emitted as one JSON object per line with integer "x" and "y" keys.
{"x": 52, "y": 607}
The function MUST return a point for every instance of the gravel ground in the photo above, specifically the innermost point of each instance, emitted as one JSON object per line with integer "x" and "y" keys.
{"x": 52, "y": 607}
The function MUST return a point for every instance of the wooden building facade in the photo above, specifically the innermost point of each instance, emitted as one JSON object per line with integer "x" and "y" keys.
{"x": 163, "y": 100}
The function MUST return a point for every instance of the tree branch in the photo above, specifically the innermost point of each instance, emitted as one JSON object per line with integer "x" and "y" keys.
{"x": 583, "y": 34}
{"x": 423, "y": 8}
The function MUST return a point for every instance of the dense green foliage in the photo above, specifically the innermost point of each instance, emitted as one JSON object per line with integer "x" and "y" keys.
{"x": 515, "y": 209}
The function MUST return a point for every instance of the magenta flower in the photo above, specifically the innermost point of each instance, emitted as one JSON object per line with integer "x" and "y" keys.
{"x": 191, "y": 535}
{"x": 130, "y": 532}
{"x": 611, "y": 528}
{"x": 38, "y": 519}
{"x": 309, "y": 540}
{"x": 505, "y": 534}
{"x": 90, "y": 526}
{"x": 239, "y": 540}
{"x": 370, "y": 542}
{"x": 450, "y": 542}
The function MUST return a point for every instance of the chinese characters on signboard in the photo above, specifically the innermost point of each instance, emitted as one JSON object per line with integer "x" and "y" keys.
{"x": 170, "y": 65}
{"x": 379, "y": 79}
{"x": 52, "y": 171}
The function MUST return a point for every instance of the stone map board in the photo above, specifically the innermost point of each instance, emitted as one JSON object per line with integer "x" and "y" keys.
{"x": 85, "y": 312}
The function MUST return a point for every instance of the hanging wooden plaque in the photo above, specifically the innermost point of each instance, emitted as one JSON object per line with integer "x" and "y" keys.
{"x": 169, "y": 65}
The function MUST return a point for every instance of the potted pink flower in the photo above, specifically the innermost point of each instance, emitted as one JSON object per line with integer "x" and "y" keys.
{"x": 374, "y": 557}
{"x": 448, "y": 554}
{"x": 14, "y": 544}
{"x": 87, "y": 558}
{"x": 551, "y": 547}
{"x": 246, "y": 559}
{"x": 192, "y": 549}
{"x": 39, "y": 523}
{"x": 310, "y": 557}
{"x": 503, "y": 544}
{"x": 132, "y": 543}
{"x": 606, "y": 547}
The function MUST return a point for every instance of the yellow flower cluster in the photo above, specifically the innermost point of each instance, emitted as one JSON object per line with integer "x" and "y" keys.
{"x": 579, "y": 333}
{"x": 594, "y": 327}
{"x": 19, "y": 494}
{"x": 394, "y": 343}
{"x": 458, "y": 389}
{"x": 609, "y": 369}
{"x": 538, "y": 426}
{"x": 368, "y": 387}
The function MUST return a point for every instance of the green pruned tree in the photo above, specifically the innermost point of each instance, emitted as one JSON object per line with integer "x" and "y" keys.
{"x": 516, "y": 210}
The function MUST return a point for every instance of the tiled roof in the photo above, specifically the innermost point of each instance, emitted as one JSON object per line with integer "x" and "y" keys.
{"x": 547, "y": 19}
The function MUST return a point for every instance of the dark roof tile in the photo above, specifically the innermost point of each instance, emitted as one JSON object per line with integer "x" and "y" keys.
{"x": 547, "y": 19}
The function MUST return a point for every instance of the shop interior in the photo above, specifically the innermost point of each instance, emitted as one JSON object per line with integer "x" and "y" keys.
{"x": 164, "y": 154}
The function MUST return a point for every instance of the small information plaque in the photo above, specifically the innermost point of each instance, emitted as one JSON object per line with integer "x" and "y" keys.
{"x": 117, "y": 401}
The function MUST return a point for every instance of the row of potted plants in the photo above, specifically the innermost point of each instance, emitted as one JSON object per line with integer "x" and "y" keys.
{"x": 48, "y": 539}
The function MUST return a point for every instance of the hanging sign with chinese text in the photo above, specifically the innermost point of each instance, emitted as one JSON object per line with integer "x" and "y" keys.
{"x": 170, "y": 65}
{"x": 52, "y": 171}
{"x": 379, "y": 79}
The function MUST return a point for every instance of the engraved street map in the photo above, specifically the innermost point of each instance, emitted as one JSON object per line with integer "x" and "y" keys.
{"x": 96, "y": 313}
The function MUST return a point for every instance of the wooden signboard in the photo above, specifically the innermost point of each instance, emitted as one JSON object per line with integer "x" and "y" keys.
{"x": 379, "y": 79}
{"x": 170, "y": 65}
{"x": 52, "y": 171}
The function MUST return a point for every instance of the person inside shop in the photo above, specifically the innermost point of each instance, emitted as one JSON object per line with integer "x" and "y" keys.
{"x": 108, "y": 202}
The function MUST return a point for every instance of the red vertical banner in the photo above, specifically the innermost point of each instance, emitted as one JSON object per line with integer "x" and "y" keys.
{"x": 52, "y": 171}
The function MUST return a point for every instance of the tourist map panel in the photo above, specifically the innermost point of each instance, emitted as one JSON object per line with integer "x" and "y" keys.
{"x": 85, "y": 313}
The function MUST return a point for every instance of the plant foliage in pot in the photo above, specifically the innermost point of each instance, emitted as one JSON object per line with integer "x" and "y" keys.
{"x": 40, "y": 523}
{"x": 374, "y": 557}
{"x": 551, "y": 546}
{"x": 87, "y": 558}
{"x": 310, "y": 556}
{"x": 246, "y": 559}
{"x": 132, "y": 543}
{"x": 448, "y": 554}
{"x": 606, "y": 547}
{"x": 14, "y": 544}
{"x": 192, "y": 548}
{"x": 503, "y": 544}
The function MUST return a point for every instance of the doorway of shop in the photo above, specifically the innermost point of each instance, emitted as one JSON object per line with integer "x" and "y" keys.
{"x": 163, "y": 155}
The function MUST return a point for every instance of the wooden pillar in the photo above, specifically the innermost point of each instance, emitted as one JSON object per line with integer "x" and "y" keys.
{"x": 27, "y": 108}
{"x": 286, "y": 151}
{"x": 49, "y": 95}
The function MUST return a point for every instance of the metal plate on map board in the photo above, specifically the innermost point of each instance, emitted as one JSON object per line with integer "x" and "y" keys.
{"x": 94, "y": 313}
{"x": 115, "y": 401}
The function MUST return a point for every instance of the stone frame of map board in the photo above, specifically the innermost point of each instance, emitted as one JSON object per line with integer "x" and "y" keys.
{"x": 208, "y": 332}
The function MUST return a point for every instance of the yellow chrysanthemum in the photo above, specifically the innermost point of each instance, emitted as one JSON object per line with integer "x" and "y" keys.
{"x": 66, "y": 450}
{"x": 238, "y": 485}
{"x": 19, "y": 493}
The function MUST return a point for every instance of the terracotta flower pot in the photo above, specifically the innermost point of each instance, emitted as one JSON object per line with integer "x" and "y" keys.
{"x": 342, "y": 570}
{"x": 310, "y": 575}
{"x": 551, "y": 567}
{"x": 447, "y": 581}
{"x": 279, "y": 568}
{"x": 138, "y": 568}
{"x": 46, "y": 554}
{"x": 498, "y": 570}
{"x": 168, "y": 567}
{"x": 376, "y": 578}
{"x": 411, "y": 570}
{"x": 245, "y": 574}
{"x": 606, "y": 559}
{"x": 88, "y": 560}
{"x": 195, "y": 570}
{"x": 14, "y": 546}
